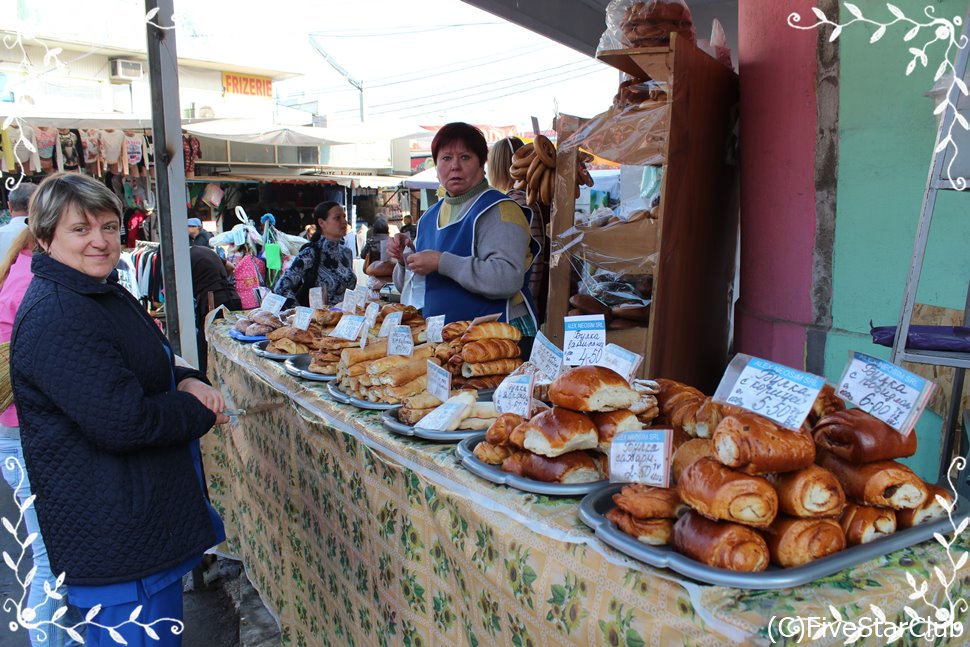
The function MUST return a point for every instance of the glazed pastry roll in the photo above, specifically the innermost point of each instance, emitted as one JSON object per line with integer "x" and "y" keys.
{"x": 858, "y": 437}
{"x": 826, "y": 403}
{"x": 929, "y": 510}
{"x": 654, "y": 532}
{"x": 557, "y": 431}
{"x": 499, "y": 431}
{"x": 686, "y": 454}
{"x": 385, "y": 364}
{"x": 793, "y": 542}
{"x": 404, "y": 373}
{"x": 483, "y": 382}
{"x": 862, "y": 523}
{"x": 647, "y": 502}
{"x": 610, "y": 423}
{"x": 809, "y": 492}
{"x": 491, "y": 454}
{"x": 886, "y": 484}
{"x": 574, "y": 467}
{"x": 495, "y": 367}
{"x": 410, "y": 416}
{"x": 487, "y": 350}
{"x": 721, "y": 493}
{"x": 720, "y": 544}
{"x": 454, "y": 330}
{"x": 756, "y": 445}
{"x": 490, "y": 330}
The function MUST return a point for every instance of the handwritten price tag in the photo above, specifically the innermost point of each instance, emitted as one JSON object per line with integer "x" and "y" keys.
{"x": 370, "y": 317}
{"x": 547, "y": 357}
{"x": 584, "y": 339}
{"x": 303, "y": 317}
{"x": 621, "y": 360}
{"x": 439, "y": 381}
{"x": 641, "y": 457}
{"x": 485, "y": 319}
{"x": 434, "y": 327}
{"x": 443, "y": 418}
{"x": 317, "y": 300}
{"x": 347, "y": 305}
{"x": 348, "y": 327}
{"x": 390, "y": 321}
{"x": 514, "y": 395}
{"x": 771, "y": 390}
{"x": 273, "y": 302}
{"x": 895, "y": 396}
{"x": 400, "y": 342}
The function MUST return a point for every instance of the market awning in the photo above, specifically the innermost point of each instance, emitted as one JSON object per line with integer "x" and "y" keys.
{"x": 256, "y": 131}
{"x": 426, "y": 179}
{"x": 74, "y": 119}
{"x": 362, "y": 181}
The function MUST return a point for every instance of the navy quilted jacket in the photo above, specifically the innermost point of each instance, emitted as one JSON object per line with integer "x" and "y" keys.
{"x": 105, "y": 439}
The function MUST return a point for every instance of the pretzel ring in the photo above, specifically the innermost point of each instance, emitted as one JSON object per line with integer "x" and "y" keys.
{"x": 545, "y": 150}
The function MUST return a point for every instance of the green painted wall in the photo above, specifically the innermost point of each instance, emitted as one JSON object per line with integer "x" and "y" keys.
{"x": 886, "y": 138}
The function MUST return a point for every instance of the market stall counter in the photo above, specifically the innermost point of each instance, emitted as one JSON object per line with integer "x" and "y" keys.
{"x": 357, "y": 536}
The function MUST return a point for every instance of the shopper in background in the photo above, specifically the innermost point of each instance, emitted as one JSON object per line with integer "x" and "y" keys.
{"x": 325, "y": 261}
{"x": 408, "y": 227}
{"x": 499, "y": 162}
{"x": 198, "y": 235}
{"x": 372, "y": 248}
{"x": 17, "y": 202}
{"x": 109, "y": 424}
{"x": 210, "y": 276}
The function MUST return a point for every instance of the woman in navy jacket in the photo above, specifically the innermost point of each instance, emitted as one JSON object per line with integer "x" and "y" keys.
{"x": 109, "y": 424}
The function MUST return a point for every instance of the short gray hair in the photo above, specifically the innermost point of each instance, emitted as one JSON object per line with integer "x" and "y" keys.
{"x": 19, "y": 198}
{"x": 61, "y": 191}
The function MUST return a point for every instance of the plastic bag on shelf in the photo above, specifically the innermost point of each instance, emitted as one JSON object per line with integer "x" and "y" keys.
{"x": 633, "y": 92}
{"x": 717, "y": 47}
{"x": 634, "y": 134}
{"x": 645, "y": 23}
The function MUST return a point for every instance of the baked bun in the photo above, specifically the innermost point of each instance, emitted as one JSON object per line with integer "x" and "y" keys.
{"x": 454, "y": 330}
{"x": 491, "y": 330}
{"x": 793, "y": 542}
{"x": 720, "y": 544}
{"x": 863, "y": 523}
{"x": 653, "y": 532}
{"x": 859, "y": 437}
{"x": 756, "y": 445}
{"x": 574, "y": 467}
{"x": 610, "y": 423}
{"x": 929, "y": 510}
{"x": 499, "y": 431}
{"x": 687, "y": 453}
{"x": 648, "y": 502}
{"x": 717, "y": 492}
{"x": 592, "y": 388}
{"x": 557, "y": 431}
{"x": 492, "y": 454}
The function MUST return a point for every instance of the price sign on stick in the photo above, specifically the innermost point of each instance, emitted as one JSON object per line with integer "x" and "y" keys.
{"x": 349, "y": 327}
{"x": 434, "y": 327}
{"x": 584, "y": 339}
{"x": 620, "y": 360}
{"x": 514, "y": 395}
{"x": 439, "y": 381}
{"x": 641, "y": 457}
{"x": 317, "y": 301}
{"x": 390, "y": 321}
{"x": 370, "y": 317}
{"x": 303, "y": 318}
{"x": 895, "y": 396}
{"x": 400, "y": 341}
{"x": 547, "y": 357}
{"x": 771, "y": 390}
{"x": 273, "y": 302}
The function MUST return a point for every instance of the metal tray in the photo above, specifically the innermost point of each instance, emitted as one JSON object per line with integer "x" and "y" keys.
{"x": 260, "y": 349}
{"x": 299, "y": 366}
{"x": 343, "y": 398}
{"x": 246, "y": 339}
{"x": 495, "y": 474}
{"x": 392, "y": 423}
{"x": 595, "y": 505}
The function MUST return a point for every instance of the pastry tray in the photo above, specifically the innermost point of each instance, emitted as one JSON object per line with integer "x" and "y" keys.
{"x": 343, "y": 398}
{"x": 246, "y": 339}
{"x": 299, "y": 366}
{"x": 593, "y": 508}
{"x": 496, "y": 474}
{"x": 393, "y": 424}
{"x": 260, "y": 349}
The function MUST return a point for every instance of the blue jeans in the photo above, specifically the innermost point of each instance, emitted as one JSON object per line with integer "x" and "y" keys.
{"x": 43, "y": 608}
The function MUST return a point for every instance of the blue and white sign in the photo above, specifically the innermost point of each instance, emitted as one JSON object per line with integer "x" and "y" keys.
{"x": 772, "y": 390}
{"x": 583, "y": 340}
{"x": 895, "y": 396}
{"x": 641, "y": 457}
{"x": 547, "y": 357}
{"x": 621, "y": 360}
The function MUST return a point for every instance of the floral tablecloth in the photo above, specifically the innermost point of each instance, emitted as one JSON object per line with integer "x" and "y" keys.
{"x": 356, "y": 536}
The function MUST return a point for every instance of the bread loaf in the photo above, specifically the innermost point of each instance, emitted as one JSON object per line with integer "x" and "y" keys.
{"x": 862, "y": 523}
{"x": 592, "y": 388}
{"x": 685, "y": 407}
{"x": 574, "y": 467}
{"x": 405, "y": 372}
{"x": 557, "y": 431}
{"x": 756, "y": 445}
{"x": 488, "y": 350}
{"x": 812, "y": 491}
{"x": 858, "y": 437}
{"x": 720, "y": 493}
{"x": 686, "y": 454}
{"x": 886, "y": 484}
{"x": 793, "y": 542}
{"x": 929, "y": 510}
{"x": 720, "y": 544}
{"x": 610, "y": 423}
{"x": 646, "y": 502}
{"x": 491, "y": 330}
{"x": 492, "y": 454}
{"x": 384, "y": 364}
{"x": 654, "y": 532}
{"x": 351, "y": 356}
{"x": 497, "y": 367}
{"x": 499, "y": 431}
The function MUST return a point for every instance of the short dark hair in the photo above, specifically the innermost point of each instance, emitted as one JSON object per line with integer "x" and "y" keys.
{"x": 59, "y": 192}
{"x": 459, "y": 131}
{"x": 322, "y": 212}
{"x": 19, "y": 197}
{"x": 379, "y": 226}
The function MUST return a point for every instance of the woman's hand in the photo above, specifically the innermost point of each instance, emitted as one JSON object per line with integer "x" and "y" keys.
{"x": 396, "y": 245}
{"x": 424, "y": 263}
{"x": 210, "y": 398}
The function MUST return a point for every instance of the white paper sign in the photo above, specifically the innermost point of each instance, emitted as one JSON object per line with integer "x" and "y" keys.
{"x": 547, "y": 357}
{"x": 439, "y": 381}
{"x": 360, "y": 299}
{"x": 391, "y": 320}
{"x": 641, "y": 457}
{"x": 442, "y": 418}
{"x": 895, "y": 396}
{"x": 771, "y": 390}
{"x": 348, "y": 327}
{"x": 347, "y": 305}
{"x": 485, "y": 319}
{"x": 303, "y": 317}
{"x": 370, "y": 317}
{"x": 401, "y": 342}
{"x": 583, "y": 340}
{"x": 317, "y": 302}
{"x": 621, "y": 360}
{"x": 434, "y": 326}
{"x": 273, "y": 302}
{"x": 514, "y": 395}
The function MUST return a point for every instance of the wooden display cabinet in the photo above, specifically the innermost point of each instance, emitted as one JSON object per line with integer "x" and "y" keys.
{"x": 695, "y": 232}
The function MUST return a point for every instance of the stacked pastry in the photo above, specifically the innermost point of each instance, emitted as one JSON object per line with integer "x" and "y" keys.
{"x": 371, "y": 374}
{"x": 471, "y": 415}
{"x": 480, "y": 356}
{"x": 258, "y": 322}
{"x": 565, "y": 444}
{"x": 647, "y": 513}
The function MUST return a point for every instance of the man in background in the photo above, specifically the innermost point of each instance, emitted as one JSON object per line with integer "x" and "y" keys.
{"x": 17, "y": 201}
{"x": 409, "y": 228}
{"x": 198, "y": 235}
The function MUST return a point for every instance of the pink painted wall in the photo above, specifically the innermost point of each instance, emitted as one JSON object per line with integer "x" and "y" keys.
{"x": 778, "y": 124}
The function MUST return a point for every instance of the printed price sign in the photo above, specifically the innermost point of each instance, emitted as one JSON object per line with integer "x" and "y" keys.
{"x": 347, "y": 305}
{"x": 514, "y": 395}
{"x": 303, "y": 318}
{"x": 547, "y": 357}
{"x": 434, "y": 327}
{"x": 485, "y": 319}
{"x": 771, "y": 390}
{"x": 349, "y": 327}
{"x": 390, "y": 321}
{"x": 583, "y": 340}
{"x": 317, "y": 300}
{"x": 621, "y": 360}
{"x": 273, "y": 302}
{"x": 370, "y": 317}
{"x": 895, "y": 396}
{"x": 400, "y": 342}
{"x": 439, "y": 381}
{"x": 443, "y": 418}
{"x": 641, "y": 457}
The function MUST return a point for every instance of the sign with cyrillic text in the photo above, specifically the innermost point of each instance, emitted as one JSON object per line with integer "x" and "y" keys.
{"x": 514, "y": 395}
{"x": 400, "y": 341}
{"x": 895, "y": 396}
{"x": 769, "y": 389}
{"x": 348, "y": 327}
{"x": 273, "y": 302}
{"x": 303, "y": 318}
{"x": 621, "y": 360}
{"x": 434, "y": 326}
{"x": 641, "y": 457}
{"x": 439, "y": 381}
{"x": 390, "y": 321}
{"x": 547, "y": 357}
{"x": 583, "y": 340}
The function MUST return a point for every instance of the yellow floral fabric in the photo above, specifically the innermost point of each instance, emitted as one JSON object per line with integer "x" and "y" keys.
{"x": 356, "y": 536}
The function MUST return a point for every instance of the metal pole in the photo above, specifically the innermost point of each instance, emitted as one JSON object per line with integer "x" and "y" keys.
{"x": 170, "y": 175}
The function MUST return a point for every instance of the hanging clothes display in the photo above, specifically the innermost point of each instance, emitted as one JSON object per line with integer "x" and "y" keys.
{"x": 147, "y": 261}
{"x": 46, "y": 139}
{"x": 68, "y": 150}
{"x": 17, "y": 153}
{"x": 191, "y": 150}
{"x": 91, "y": 143}
{"x": 112, "y": 149}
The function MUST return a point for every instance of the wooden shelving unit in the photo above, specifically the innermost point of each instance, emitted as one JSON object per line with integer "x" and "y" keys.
{"x": 695, "y": 234}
